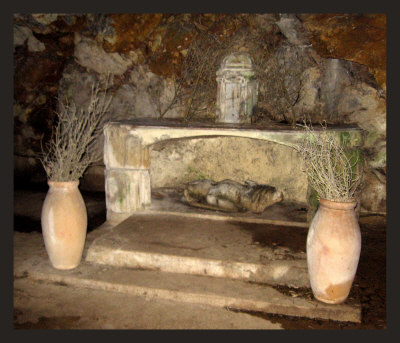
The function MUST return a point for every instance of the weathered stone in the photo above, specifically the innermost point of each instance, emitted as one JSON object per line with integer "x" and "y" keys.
{"x": 23, "y": 34}
{"x": 127, "y": 144}
{"x": 114, "y": 146}
{"x": 152, "y": 94}
{"x": 129, "y": 30}
{"x": 334, "y": 81}
{"x": 160, "y": 41}
{"x": 136, "y": 155}
{"x": 282, "y": 82}
{"x": 89, "y": 54}
{"x": 149, "y": 285}
{"x": 76, "y": 86}
{"x": 293, "y": 30}
{"x": 123, "y": 105}
{"x": 177, "y": 163}
{"x": 127, "y": 190}
{"x": 373, "y": 196}
{"x": 364, "y": 105}
{"x": 309, "y": 95}
{"x": 355, "y": 37}
{"x": 237, "y": 89}
{"x": 45, "y": 18}
{"x": 188, "y": 245}
{"x": 121, "y": 150}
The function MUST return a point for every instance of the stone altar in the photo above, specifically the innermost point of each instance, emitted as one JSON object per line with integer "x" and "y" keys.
{"x": 127, "y": 158}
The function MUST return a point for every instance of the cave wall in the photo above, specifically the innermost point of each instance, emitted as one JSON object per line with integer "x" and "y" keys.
{"x": 331, "y": 66}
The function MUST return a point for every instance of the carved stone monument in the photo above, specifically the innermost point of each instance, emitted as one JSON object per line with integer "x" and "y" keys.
{"x": 237, "y": 89}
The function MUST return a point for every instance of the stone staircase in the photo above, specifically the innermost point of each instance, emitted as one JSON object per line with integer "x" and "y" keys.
{"x": 220, "y": 261}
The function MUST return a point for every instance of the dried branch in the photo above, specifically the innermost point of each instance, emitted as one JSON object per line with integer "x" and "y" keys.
{"x": 333, "y": 170}
{"x": 72, "y": 146}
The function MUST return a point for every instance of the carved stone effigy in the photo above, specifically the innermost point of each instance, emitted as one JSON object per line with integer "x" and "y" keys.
{"x": 231, "y": 196}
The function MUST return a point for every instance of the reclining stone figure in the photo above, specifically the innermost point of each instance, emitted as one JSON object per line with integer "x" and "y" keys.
{"x": 231, "y": 196}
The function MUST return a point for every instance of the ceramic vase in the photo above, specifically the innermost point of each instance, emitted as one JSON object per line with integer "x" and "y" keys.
{"x": 64, "y": 224}
{"x": 333, "y": 250}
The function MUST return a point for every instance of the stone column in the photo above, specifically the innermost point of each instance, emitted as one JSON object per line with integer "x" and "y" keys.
{"x": 127, "y": 175}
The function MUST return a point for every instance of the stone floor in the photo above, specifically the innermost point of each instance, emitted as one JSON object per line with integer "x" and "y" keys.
{"x": 37, "y": 299}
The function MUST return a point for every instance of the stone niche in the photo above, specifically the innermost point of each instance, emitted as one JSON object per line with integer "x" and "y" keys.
{"x": 237, "y": 89}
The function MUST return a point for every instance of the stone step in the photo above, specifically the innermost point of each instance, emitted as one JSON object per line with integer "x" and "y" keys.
{"x": 262, "y": 253}
{"x": 219, "y": 292}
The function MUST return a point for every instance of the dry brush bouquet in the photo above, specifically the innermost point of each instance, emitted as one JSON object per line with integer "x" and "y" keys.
{"x": 334, "y": 170}
{"x": 72, "y": 146}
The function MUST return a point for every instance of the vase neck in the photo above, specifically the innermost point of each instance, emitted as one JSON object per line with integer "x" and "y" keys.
{"x": 338, "y": 205}
{"x": 63, "y": 184}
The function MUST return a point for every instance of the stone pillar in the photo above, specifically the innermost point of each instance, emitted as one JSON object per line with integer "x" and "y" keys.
{"x": 127, "y": 174}
{"x": 237, "y": 89}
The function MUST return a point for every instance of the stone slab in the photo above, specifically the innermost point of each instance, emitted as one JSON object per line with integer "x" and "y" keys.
{"x": 165, "y": 200}
{"x": 255, "y": 252}
{"x": 225, "y": 293}
{"x": 152, "y": 131}
{"x": 103, "y": 310}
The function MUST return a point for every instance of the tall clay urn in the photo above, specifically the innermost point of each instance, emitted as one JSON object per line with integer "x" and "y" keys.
{"x": 64, "y": 224}
{"x": 333, "y": 250}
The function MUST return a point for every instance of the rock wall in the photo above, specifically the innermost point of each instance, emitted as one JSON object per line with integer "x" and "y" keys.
{"x": 327, "y": 67}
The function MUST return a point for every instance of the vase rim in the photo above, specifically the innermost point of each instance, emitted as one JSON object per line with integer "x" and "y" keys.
{"x": 63, "y": 184}
{"x": 339, "y": 205}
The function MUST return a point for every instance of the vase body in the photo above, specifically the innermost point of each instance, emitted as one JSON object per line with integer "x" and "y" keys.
{"x": 64, "y": 224}
{"x": 333, "y": 250}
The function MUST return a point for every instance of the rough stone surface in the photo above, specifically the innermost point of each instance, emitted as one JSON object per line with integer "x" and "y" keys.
{"x": 102, "y": 309}
{"x": 146, "y": 51}
{"x": 193, "y": 290}
{"x": 334, "y": 82}
{"x": 355, "y": 37}
{"x": 127, "y": 190}
{"x": 364, "y": 105}
{"x": 179, "y": 162}
{"x": 293, "y": 30}
{"x": 177, "y": 244}
{"x": 155, "y": 286}
{"x": 373, "y": 197}
{"x": 49, "y": 306}
{"x": 88, "y": 54}
{"x": 151, "y": 94}
{"x": 45, "y": 18}
{"x": 309, "y": 95}
{"x": 24, "y": 34}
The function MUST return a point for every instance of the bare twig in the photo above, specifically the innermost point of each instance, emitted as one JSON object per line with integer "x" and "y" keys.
{"x": 334, "y": 171}
{"x": 72, "y": 147}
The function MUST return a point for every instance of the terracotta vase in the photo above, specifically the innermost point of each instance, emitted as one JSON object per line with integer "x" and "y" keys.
{"x": 64, "y": 224}
{"x": 333, "y": 250}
